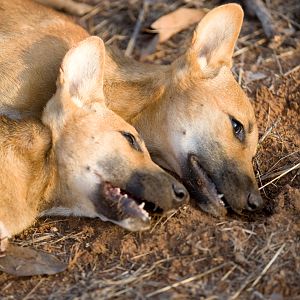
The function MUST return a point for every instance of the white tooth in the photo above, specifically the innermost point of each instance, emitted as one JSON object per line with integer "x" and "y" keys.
{"x": 221, "y": 202}
{"x": 145, "y": 216}
{"x": 125, "y": 196}
{"x": 118, "y": 190}
{"x": 142, "y": 205}
{"x": 220, "y": 195}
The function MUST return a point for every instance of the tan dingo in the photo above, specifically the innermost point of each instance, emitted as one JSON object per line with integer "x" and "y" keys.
{"x": 194, "y": 117}
{"x": 82, "y": 160}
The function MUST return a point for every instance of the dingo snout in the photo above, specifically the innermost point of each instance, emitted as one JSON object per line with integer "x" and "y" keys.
{"x": 205, "y": 125}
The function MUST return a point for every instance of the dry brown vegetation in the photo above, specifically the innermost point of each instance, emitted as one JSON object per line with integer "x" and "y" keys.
{"x": 191, "y": 255}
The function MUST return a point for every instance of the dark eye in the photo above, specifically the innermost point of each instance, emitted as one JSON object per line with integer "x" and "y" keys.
{"x": 131, "y": 140}
{"x": 238, "y": 129}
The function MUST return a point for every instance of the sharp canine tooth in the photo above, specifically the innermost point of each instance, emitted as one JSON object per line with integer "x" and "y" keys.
{"x": 220, "y": 196}
{"x": 142, "y": 205}
{"x": 118, "y": 190}
{"x": 125, "y": 196}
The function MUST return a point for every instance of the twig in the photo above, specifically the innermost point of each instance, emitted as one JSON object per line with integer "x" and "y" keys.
{"x": 92, "y": 13}
{"x": 250, "y": 35}
{"x": 187, "y": 280}
{"x": 228, "y": 273}
{"x": 259, "y": 9}
{"x": 272, "y": 175}
{"x": 267, "y": 267}
{"x": 279, "y": 64}
{"x": 268, "y": 131}
{"x": 159, "y": 220}
{"x": 292, "y": 70}
{"x": 245, "y": 49}
{"x": 168, "y": 218}
{"x": 34, "y": 289}
{"x": 279, "y": 160}
{"x": 236, "y": 295}
{"x": 297, "y": 166}
{"x": 297, "y": 25}
{"x": 281, "y": 55}
{"x": 249, "y": 278}
{"x": 137, "y": 28}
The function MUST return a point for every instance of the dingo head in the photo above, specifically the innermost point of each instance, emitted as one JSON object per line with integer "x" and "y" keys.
{"x": 103, "y": 164}
{"x": 206, "y": 130}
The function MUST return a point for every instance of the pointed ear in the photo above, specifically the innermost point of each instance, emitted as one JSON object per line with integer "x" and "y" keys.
{"x": 215, "y": 37}
{"x": 81, "y": 75}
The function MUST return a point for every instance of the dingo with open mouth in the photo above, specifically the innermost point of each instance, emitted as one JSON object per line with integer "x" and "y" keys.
{"x": 81, "y": 159}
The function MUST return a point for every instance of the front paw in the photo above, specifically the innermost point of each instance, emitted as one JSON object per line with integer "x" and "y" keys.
{"x": 4, "y": 236}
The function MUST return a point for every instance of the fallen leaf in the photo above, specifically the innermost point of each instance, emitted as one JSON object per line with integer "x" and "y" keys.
{"x": 176, "y": 21}
{"x": 254, "y": 76}
{"x": 24, "y": 261}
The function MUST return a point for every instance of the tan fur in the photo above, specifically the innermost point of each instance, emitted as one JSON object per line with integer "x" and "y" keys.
{"x": 180, "y": 109}
{"x": 59, "y": 165}
{"x": 25, "y": 175}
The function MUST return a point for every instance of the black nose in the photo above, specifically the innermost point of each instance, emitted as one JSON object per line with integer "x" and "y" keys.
{"x": 179, "y": 192}
{"x": 254, "y": 202}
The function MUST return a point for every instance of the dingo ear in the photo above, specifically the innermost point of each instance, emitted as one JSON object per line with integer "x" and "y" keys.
{"x": 215, "y": 37}
{"x": 81, "y": 74}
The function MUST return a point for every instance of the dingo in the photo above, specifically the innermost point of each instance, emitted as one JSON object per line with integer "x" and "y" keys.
{"x": 194, "y": 117}
{"x": 84, "y": 160}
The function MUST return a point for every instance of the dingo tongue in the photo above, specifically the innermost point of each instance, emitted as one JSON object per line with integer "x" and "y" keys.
{"x": 202, "y": 184}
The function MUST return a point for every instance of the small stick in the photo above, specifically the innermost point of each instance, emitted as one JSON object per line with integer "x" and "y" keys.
{"x": 264, "y": 16}
{"x": 188, "y": 280}
{"x": 137, "y": 28}
{"x": 159, "y": 220}
{"x": 238, "y": 292}
{"x": 34, "y": 289}
{"x": 297, "y": 25}
{"x": 292, "y": 70}
{"x": 267, "y": 267}
{"x": 92, "y": 13}
{"x": 297, "y": 166}
{"x": 272, "y": 175}
{"x": 279, "y": 64}
{"x": 228, "y": 273}
{"x": 168, "y": 218}
{"x": 268, "y": 131}
{"x": 245, "y": 49}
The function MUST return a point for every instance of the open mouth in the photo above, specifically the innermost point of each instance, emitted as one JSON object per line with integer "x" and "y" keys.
{"x": 123, "y": 205}
{"x": 126, "y": 205}
{"x": 204, "y": 190}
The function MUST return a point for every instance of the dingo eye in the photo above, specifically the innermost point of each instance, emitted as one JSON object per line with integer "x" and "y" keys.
{"x": 131, "y": 140}
{"x": 238, "y": 129}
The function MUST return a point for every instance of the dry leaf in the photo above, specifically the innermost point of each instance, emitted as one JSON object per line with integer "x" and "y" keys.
{"x": 23, "y": 261}
{"x": 176, "y": 21}
{"x": 254, "y": 76}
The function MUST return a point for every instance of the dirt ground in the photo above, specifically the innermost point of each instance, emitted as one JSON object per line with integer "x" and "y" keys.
{"x": 192, "y": 255}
